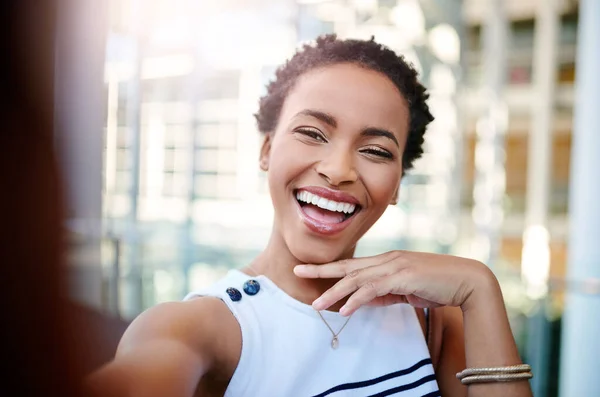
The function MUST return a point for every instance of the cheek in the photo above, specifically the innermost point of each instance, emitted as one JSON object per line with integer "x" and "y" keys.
{"x": 381, "y": 184}
{"x": 285, "y": 164}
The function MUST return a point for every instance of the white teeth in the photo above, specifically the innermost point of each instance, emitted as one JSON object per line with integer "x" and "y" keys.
{"x": 332, "y": 205}
{"x": 324, "y": 203}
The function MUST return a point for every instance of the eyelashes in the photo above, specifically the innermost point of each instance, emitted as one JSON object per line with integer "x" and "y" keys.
{"x": 312, "y": 133}
{"x": 378, "y": 152}
{"x": 318, "y": 137}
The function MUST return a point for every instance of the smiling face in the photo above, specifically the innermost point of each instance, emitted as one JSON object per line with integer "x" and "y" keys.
{"x": 335, "y": 160}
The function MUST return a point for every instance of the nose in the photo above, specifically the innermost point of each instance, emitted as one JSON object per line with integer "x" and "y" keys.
{"x": 337, "y": 167}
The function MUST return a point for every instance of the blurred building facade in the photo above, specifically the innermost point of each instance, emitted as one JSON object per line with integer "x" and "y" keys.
{"x": 181, "y": 144}
{"x": 183, "y": 199}
{"x": 181, "y": 177}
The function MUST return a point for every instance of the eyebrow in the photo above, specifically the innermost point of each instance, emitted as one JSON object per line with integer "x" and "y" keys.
{"x": 317, "y": 114}
{"x": 371, "y": 131}
{"x": 329, "y": 119}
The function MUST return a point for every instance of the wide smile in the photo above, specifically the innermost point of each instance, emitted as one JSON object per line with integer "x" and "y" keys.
{"x": 324, "y": 211}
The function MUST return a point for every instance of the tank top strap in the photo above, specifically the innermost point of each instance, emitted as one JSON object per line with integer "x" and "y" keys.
{"x": 234, "y": 292}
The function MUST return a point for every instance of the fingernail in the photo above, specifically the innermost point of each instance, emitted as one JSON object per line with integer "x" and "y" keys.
{"x": 299, "y": 269}
{"x": 344, "y": 310}
{"x": 318, "y": 304}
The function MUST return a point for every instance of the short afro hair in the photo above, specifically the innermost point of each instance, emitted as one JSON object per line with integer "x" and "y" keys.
{"x": 329, "y": 50}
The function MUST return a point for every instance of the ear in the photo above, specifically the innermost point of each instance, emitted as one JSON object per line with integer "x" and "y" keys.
{"x": 265, "y": 152}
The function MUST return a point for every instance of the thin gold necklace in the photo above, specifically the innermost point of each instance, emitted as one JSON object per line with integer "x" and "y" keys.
{"x": 335, "y": 340}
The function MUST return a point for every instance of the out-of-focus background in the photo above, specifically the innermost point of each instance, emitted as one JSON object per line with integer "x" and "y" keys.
{"x": 158, "y": 148}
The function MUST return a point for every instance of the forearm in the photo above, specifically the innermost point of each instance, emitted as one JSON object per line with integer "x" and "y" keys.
{"x": 108, "y": 381}
{"x": 164, "y": 369}
{"x": 489, "y": 341}
{"x": 117, "y": 380}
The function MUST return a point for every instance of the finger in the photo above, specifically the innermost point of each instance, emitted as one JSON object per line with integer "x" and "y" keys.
{"x": 421, "y": 303}
{"x": 342, "y": 267}
{"x": 398, "y": 284}
{"x": 367, "y": 293}
{"x": 352, "y": 282}
{"x": 387, "y": 300}
{"x": 413, "y": 300}
{"x": 330, "y": 270}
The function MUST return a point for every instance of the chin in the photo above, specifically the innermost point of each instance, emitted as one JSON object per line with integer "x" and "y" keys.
{"x": 318, "y": 252}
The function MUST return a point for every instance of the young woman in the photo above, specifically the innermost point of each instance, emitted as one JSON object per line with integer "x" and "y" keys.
{"x": 343, "y": 120}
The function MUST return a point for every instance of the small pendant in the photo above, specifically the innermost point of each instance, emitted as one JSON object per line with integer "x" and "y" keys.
{"x": 335, "y": 342}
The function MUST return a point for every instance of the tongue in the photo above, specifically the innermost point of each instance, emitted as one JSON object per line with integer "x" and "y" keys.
{"x": 322, "y": 215}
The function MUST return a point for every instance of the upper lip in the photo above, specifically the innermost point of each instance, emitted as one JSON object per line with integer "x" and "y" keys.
{"x": 329, "y": 194}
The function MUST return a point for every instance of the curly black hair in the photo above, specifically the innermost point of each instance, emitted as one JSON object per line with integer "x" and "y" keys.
{"x": 329, "y": 50}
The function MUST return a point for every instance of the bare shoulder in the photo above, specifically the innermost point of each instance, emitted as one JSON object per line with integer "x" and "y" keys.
{"x": 169, "y": 349}
{"x": 204, "y": 325}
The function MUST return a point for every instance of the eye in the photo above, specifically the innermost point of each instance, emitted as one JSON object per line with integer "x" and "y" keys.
{"x": 312, "y": 133}
{"x": 379, "y": 152}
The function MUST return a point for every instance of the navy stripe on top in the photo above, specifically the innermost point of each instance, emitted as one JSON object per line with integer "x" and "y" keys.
{"x": 406, "y": 387}
{"x": 366, "y": 383}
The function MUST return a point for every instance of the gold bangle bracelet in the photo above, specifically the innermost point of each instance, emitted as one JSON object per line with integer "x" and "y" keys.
{"x": 494, "y": 370}
{"x": 496, "y": 378}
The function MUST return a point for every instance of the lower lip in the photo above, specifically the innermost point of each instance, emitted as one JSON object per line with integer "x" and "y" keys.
{"x": 326, "y": 229}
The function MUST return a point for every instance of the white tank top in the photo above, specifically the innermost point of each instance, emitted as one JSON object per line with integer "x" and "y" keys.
{"x": 286, "y": 347}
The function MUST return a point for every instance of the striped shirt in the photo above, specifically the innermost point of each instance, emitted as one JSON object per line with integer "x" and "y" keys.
{"x": 286, "y": 347}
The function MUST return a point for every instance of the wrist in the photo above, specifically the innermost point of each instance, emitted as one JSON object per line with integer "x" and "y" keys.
{"x": 486, "y": 291}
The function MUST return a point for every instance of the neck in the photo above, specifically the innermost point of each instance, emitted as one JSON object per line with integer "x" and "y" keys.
{"x": 277, "y": 263}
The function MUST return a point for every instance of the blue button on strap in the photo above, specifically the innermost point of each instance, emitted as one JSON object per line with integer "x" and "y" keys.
{"x": 251, "y": 287}
{"x": 234, "y": 294}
